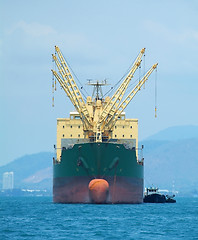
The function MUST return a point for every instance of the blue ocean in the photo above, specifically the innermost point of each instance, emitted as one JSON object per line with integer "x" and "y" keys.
{"x": 40, "y": 218}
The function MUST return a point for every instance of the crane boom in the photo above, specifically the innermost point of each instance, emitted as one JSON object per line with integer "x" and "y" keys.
{"x": 113, "y": 118}
{"x": 72, "y": 89}
{"x": 117, "y": 97}
{"x": 63, "y": 75}
{"x": 64, "y": 86}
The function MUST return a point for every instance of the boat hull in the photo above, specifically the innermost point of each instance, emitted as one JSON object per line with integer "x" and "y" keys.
{"x": 155, "y": 198}
{"x": 85, "y": 162}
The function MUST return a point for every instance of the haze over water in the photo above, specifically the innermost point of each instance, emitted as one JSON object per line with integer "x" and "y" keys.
{"x": 38, "y": 218}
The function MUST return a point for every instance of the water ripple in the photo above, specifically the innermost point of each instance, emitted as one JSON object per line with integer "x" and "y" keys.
{"x": 39, "y": 218}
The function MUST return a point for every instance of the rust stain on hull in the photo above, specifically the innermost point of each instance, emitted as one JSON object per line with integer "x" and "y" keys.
{"x": 76, "y": 190}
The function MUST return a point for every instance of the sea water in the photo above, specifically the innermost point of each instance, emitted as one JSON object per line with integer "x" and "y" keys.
{"x": 40, "y": 218}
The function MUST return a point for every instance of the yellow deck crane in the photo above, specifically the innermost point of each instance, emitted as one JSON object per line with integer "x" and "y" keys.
{"x": 98, "y": 115}
{"x": 116, "y": 113}
{"x": 118, "y": 95}
{"x": 66, "y": 80}
{"x": 113, "y": 103}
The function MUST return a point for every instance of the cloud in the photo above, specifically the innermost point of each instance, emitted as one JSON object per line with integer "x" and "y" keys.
{"x": 36, "y": 34}
{"x": 33, "y": 29}
{"x": 181, "y": 36}
{"x": 175, "y": 46}
{"x": 37, "y": 30}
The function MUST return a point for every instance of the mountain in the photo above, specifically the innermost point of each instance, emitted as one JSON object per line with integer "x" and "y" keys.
{"x": 176, "y": 133}
{"x": 169, "y": 163}
{"x": 31, "y": 171}
{"x": 171, "y": 159}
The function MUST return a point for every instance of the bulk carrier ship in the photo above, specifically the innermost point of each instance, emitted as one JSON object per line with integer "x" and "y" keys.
{"x": 97, "y": 146}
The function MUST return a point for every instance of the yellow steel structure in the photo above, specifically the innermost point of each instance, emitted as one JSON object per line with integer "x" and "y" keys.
{"x": 72, "y": 89}
{"x": 116, "y": 113}
{"x": 98, "y": 115}
{"x": 115, "y": 100}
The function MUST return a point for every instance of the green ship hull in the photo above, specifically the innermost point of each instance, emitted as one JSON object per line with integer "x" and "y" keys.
{"x": 112, "y": 162}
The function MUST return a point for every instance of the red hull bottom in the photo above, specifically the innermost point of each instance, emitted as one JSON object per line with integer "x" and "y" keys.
{"x": 76, "y": 190}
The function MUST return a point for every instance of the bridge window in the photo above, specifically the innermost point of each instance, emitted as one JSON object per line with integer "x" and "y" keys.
{"x": 78, "y": 135}
{"x": 131, "y": 136}
{"x": 71, "y": 135}
{"x": 63, "y": 126}
{"x": 122, "y": 135}
{"x": 115, "y": 135}
{"x": 78, "y": 126}
{"x": 115, "y": 127}
{"x": 63, "y": 135}
{"x": 70, "y": 126}
{"x": 123, "y": 126}
{"x": 130, "y": 126}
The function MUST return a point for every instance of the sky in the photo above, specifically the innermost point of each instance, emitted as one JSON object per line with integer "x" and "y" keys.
{"x": 100, "y": 40}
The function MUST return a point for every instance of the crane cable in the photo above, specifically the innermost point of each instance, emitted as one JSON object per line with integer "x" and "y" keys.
{"x": 81, "y": 85}
{"x": 127, "y": 71}
{"x": 52, "y": 90}
{"x": 144, "y": 62}
{"x": 53, "y": 84}
{"x": 156, "y": 93}
{"x": 140, "y": 75}
{"x": 134, "y": 82}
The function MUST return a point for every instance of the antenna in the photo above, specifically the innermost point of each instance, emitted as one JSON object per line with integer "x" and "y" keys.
{"x": 97, "y": 87}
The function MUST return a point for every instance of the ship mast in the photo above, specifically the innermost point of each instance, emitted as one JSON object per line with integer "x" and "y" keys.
{"x": 97, "y": 88}
{"x": 98, "y": 115}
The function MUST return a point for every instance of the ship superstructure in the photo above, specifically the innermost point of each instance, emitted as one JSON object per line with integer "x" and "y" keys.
{"x": 98, "y": 143}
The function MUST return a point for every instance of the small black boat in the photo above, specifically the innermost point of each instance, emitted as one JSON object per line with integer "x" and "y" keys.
{"x": 152, "y": 195}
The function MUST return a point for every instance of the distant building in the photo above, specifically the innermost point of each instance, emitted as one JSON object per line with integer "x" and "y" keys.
{"x": 8, "y": 180}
